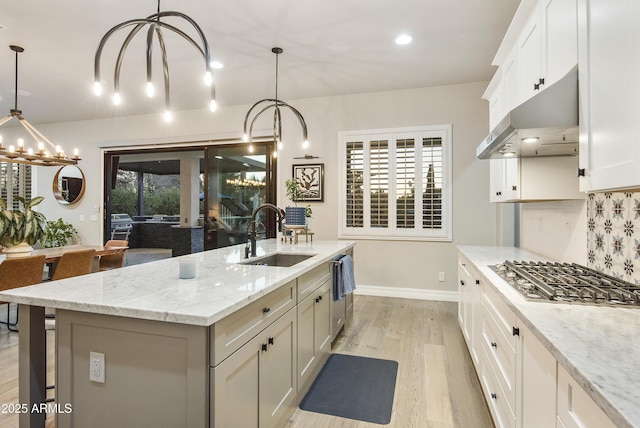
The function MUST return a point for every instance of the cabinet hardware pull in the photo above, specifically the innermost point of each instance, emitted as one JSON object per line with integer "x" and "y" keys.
{"x": 536, "y": 86}
{"x": 494, "y": 396}
{"x": 320, "y": 297}
{"x": 581, "y": 172}
{"x": 541, "y": 81}
{"x": 477, "y": 282}
{"x": 271, "y": 341}
{"x": 494, "y": 344}
{"x": 264, "y": 347}
{"x": 317, "y": 300}
{"x": 516, "y": 331}
{"x": 461, "y": 282}
{"x": 514, "y": 188}
{"x": 266, "y": 310}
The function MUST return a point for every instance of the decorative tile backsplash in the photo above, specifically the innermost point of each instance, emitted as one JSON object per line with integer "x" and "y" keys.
{"x": 613, "y": 235}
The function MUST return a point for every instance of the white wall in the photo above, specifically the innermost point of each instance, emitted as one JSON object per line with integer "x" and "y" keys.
{"x": 395, "y": 264}
{"x": 556, "y": 229}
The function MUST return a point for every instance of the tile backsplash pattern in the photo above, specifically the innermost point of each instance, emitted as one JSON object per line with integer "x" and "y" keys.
{"x": 613, "y": 234}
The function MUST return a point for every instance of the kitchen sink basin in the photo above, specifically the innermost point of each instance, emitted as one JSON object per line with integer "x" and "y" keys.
{"x": 278, "y": 260}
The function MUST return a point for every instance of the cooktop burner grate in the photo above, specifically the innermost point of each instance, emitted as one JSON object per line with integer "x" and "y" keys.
{"x": 567, "y": 282}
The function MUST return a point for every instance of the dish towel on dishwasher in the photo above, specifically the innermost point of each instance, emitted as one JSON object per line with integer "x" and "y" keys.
{"x": 343, "y": 279}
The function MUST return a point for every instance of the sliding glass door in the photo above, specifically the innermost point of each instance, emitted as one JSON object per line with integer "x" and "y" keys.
{"x": 237, "y": 182}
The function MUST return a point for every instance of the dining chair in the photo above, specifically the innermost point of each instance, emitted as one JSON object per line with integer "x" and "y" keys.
{"x": 19, "y": 272}
{"x": 74, "y": 263}
{"x": 113, "y": 261}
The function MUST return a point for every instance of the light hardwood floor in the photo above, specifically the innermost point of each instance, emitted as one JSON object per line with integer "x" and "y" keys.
{"x": 436, "y": 385}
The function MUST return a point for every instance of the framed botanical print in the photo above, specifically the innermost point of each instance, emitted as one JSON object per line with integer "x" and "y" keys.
{"x": 311, "y": 181}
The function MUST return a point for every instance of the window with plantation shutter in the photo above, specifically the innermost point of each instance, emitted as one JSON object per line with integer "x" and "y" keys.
{"x": 396, "y": 183}
{"x": 15, "y": 180}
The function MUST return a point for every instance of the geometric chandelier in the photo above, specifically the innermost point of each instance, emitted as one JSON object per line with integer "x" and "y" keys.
{"x": 155, "y": 27}
{"x": 276, "y": 105}
{"x": 44, "y": 155}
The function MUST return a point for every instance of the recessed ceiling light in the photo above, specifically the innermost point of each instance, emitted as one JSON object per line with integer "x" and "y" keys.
{"x": 403, "y": 39}
{"x": 216, "y": 64}
{"x": 508, "y": 154}
{"x": 530, "y": 139}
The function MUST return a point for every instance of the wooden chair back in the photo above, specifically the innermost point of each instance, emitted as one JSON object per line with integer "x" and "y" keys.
{"x": 74, "y": 263}
{"x": 21, "y": 271}
{"x": 113, "y": 261}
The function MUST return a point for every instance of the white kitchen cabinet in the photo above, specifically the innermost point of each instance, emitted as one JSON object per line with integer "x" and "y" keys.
{"x": 575, "y": 409}
{"x": 539, "y": 48}
{"x": 537, "y": 375}
{"x": 609, "y": 42}
{"x": 534, "y": 179}
{"x": 256, "y": 386}
{"x": 469, "y": 307}
{"x": 559, "y": 39}
{"x": 530, "y": 57}
{"x": 504, "y": 180}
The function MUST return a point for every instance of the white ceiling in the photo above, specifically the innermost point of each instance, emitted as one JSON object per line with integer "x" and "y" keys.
{"x": 331, "y": 47}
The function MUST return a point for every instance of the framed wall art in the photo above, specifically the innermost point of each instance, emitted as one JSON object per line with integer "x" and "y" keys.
{"x": 311, "y": 181}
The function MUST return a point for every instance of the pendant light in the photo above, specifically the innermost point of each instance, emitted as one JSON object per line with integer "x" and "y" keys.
{"x": 155, "y": 27}
{"x": 275, "y": 104}
{"x": 51, "y": 155}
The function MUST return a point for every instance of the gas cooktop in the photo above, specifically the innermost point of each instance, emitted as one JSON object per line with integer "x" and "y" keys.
{"x": 567, "y": 283}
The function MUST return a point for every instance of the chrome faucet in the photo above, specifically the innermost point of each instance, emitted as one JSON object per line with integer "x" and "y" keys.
{"x": 252, "y": 224}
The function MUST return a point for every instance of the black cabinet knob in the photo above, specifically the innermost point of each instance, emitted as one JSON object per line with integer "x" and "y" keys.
{"x": 516, "y": 331}
{"x": 477, "y": 282}
{"x": 264, "y": 347}
{"x": 581, "y": 172}
{"x": 494, "y": 396}
{"x": 536, "y": 86}
{"x": 461, "y": 282}
{"x": 494, "y": 344}
{"x": 271, "y": 341}
{"x": 266, "y": 310}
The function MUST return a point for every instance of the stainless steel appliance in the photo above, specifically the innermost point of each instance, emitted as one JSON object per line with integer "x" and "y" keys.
{"x": 544, "y": 125}
{"x": 567, "y": 283}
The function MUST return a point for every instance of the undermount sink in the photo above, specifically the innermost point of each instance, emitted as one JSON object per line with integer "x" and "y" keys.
{"x": 278, "y": 260}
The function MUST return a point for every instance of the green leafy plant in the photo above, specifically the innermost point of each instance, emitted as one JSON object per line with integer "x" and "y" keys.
{"x": 294, "y": 192}
{"x": 21, "y": 226}
{"x": 58, "y": 233}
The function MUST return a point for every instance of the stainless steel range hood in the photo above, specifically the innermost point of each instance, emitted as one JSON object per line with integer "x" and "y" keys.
{"x": 549, "y": 119}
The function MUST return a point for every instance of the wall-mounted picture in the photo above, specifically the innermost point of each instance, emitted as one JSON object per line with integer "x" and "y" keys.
{"x": 311, "y": 180}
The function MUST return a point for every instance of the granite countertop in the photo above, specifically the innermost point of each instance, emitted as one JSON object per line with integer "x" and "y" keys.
{"x": 153, "y": 290}
{"x": 598, "y": 346}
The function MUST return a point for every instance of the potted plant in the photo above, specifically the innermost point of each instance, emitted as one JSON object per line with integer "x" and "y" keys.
{"x": 308, "y": 213}
{"x": 58, "y": 233}
{"x": 19, "y": 230}
{"x": 295, "y": 216}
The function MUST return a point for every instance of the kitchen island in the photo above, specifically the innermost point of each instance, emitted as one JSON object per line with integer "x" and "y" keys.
{"x": 139, "y": 346}
{"x": 597, "y": 346}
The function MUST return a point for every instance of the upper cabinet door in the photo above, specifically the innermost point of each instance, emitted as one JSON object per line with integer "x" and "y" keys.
{"x": 559, "y": 38}
{"x": 530, "y": 58}
{"x": 609, "y": 66}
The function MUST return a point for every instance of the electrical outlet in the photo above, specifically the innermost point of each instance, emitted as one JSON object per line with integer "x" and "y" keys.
{"x": 96, "y": 367}
{"x": 441, "y": 277}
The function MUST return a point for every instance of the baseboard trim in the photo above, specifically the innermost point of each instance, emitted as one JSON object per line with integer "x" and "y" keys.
{"x": 407, "y": 293}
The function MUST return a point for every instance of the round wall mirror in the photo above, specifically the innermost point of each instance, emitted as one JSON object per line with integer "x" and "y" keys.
{"x": 68, "y": 185}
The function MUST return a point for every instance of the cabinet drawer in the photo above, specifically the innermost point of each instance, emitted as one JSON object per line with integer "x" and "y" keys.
{"x": 504, "y": 317}
{"x": 575, "y": 408}
{"x": 233, "y": 331}
{"x": 311, "y": 280}
{"x": 501, "y": 357}
{"x": 500, "y": 410}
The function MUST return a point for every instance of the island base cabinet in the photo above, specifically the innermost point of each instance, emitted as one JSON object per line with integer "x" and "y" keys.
{"x": 155, "y": 372}
{"x": 256, "y": 386}
{"x": 575, "y": 408}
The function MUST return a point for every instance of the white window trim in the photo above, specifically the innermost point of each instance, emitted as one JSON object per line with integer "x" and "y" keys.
{"x": 391, "y": 233}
